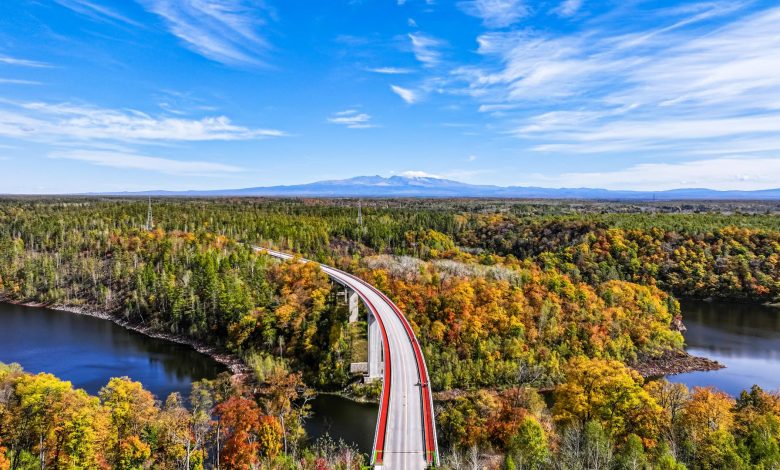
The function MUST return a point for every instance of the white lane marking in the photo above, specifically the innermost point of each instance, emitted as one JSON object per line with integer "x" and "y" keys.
{"x": 399, "y": 381}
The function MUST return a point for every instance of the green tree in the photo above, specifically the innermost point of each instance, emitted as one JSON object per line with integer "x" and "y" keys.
{"x": 597, "y": 446}
{"x": 632, "y": 454}
{"x": 530, "y": 445}
{"x": 509, "y": 463}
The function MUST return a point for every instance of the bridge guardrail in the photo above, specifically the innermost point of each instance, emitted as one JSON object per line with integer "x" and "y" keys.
{"x": 429, "y": 424}
{"x": 431, "y": 445}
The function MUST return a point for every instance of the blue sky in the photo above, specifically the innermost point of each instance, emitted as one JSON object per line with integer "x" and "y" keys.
{"x": 99, "y": 95}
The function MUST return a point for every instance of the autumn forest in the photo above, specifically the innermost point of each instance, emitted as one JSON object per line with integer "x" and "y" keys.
{"x": 539, "y": 322}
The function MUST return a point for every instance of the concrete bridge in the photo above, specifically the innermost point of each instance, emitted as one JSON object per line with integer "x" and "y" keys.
{"x": 405, "y": 436}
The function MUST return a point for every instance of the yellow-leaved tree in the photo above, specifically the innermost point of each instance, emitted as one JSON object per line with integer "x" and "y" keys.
{"x": 608, "y": 392}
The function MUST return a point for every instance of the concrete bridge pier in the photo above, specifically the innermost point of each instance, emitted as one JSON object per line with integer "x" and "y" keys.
{"x": 353, "y": 300}
{"x": 375, "y": 357}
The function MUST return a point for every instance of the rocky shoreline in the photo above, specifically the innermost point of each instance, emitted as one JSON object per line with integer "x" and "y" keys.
{"x": 672, "y": 363}
{"x": 234, "y": 364}
{"x": 669, "y": 363}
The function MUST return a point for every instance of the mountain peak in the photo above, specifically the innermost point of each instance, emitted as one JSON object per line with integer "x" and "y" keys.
{"x": 414, "y": 184}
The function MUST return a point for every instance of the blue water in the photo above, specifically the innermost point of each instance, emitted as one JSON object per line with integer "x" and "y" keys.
{"x": 89, "y": 351}
{"x": 743, "y": 337}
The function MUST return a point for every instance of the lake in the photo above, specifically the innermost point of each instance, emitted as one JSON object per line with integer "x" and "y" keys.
{"x": 344, "y": 419}
{"x": 88, "y": 351}
{"x": 743, "y": 337}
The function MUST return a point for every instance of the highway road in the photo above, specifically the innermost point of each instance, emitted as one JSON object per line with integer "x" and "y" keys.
{"x": 406, "y": 432}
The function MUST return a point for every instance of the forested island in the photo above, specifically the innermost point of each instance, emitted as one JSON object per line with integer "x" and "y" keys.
{"x": 541, "y": 323}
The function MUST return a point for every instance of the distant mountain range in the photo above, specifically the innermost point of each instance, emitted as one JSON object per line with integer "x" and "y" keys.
{"x": 405, "y": 186}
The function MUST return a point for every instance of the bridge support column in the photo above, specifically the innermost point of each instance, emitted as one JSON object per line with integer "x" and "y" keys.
{"x": 352, "y": 301}
{"x": 375, "y": 357}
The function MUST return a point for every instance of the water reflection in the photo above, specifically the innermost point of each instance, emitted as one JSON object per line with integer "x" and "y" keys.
{"x": 744, "y": 337}
{"x": 343, "y": 419}
{"x": 89, "y": 351}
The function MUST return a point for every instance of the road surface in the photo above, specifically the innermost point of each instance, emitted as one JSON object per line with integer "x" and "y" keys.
{"x": 406, "y": 432}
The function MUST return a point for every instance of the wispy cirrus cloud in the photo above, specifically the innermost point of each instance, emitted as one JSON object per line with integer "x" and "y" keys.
{"x": 391, "y": 70}
{"x": 64, "y": 121}
{"x": 23, "y": 62}
{"x": 496, "y": 13}
{"x": 97, "y": 11}
{"x": 410, "y": 96}
{"x": 351, "y": 119}
{"x": 747, "y": 174}
{"x": 426, "y": 49}
{"x": 132, "y": 161}
{"x": 17, "y": 81}
{"x": 568, "y": 8}
{"x": 224, "y": 31}
{"x": 689, "y": 85}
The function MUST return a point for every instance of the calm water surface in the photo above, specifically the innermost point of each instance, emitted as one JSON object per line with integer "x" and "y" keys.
{"x": 344, "y": 419}
{"x": 89, "y": 351}
{"x": 744, "y": 337}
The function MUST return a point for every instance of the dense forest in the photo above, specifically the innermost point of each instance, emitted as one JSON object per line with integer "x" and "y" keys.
{"x": 44, "y": 421}
{"x": 507, "y": 298}
{"x": 604, "y": 416}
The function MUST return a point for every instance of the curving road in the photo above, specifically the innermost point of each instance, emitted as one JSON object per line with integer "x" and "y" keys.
{"x": 406, "y": 432}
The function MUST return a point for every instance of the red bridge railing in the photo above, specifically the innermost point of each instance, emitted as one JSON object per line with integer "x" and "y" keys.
{"x": 381, "y": 423}
{"x": 429, "y": 423}
{"x": 426, "y": 398}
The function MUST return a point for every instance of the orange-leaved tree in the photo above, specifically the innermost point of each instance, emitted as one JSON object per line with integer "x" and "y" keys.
{"x": 239, "y": 423}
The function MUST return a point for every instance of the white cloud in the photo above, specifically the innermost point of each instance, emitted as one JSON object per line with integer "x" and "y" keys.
{"x": 36, "y": 121}
{"x": 140, "y": 162}
{"x": 471, "y": 158}
{"x": 537, "y": 66}
{"x": 722, "y": 173}
{"x": 96, "y": 11}
{"x": 678, "y": 89}
{"x": 391, "y": 70}
{"x": 674, "y": 129}
{"x": 406, "y": 94}
{"x": 496, "y": 13}
{"x": 568, "y": 8}
{"x": 426, "y": 49}
{"x": 352, "y": 119}
{"x": 22, "y": 62}
{"x": 221, "y": 30}
{"x": 497, "y": 108}
{"x": 14, "y": 81}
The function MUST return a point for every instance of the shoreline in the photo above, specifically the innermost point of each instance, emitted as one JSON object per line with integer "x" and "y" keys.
{"x": 673, "y": 363}
{"x": 233, "y": 363}
{"x": 669, "y": 363}
{"x": 349, "y": 397}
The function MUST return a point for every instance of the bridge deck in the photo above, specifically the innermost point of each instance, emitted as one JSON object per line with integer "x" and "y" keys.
{"x": 405, "y": 436}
